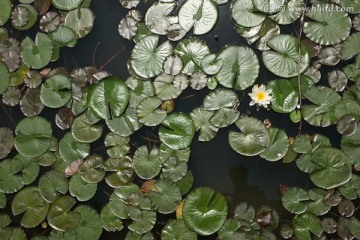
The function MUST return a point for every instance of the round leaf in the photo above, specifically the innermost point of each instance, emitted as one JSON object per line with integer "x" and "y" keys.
{"x": 80, "y": 189}
{"x": 278, "y": 145}
{"x": 90, "y": 226}
{"x": 166, "y": 196}
{"x": 51, "y": 184}
{"x": 285, "y": 96}
{"x": 66, "y": 4}
{"x": 56, "y": 91}
{"x": 147, "y": 164}
{"x": 80, "y": 20}
{"x": 5, "y": 11}
{"x": 60, "y": 217}
{"x": 176, "y": 229}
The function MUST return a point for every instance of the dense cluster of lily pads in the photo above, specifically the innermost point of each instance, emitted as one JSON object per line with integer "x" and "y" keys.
{"x": 46, "y": 183}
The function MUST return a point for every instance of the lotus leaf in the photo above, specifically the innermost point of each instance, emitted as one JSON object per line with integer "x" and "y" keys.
{"x": 334, "y": 168}
{"x": 33, "y": 136}
{"x": 293, "y": 200}
{"x": 204, "y": 211}
{"x": 285, "y": 96}
{"x": 245, "y": 14}
{"x": 35, "y": 207}
{"x": 284, "y": 57}
{"x": 110, "y": 221}
{"x": 176, "y": 229}
{"x": 305, "y": 223}
{"x": 278, "y": 145}
{"x": 192, "y": 51}
{"x": 240, "y": 67}
{"x": 330, "y": 25}
{"x": 147, "y": 163}
{"x": 82, "y": 190}
{"x": 37, "y": 54}
{"x": 80, "y": 20}
{"x": 177, "y": 131}
{"x": 253, "y": 138}
{"x": 108, "y": 98}
{"x": 147, "y": 58}
{"x": 157, "y": 17}
{"x": 198, "y": 14}
{"x": 56, "y": 91}
{"x": 52, "y": 184}
{"x": 121, "y": 171}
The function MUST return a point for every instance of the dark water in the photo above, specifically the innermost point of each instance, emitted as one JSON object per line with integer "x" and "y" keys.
{"x": 213, "y": 163}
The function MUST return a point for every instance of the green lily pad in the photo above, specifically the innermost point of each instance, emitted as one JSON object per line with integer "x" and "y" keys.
{"x": 60, "y": 217}
{"x": 330, "y": 25}
{"x": 148, "y": 111}
{"x": 346, "y": 125}
{"x": 6, "y": 142}
{"x": 244, "y": 211}
{"x": 290, "y": 12}
{"x": 84, "y": 128}
{"x": 317, "y": 205}
{"x": 351, "y": 190}
{"x": 5, "y": 78}
{"x": 200, "y": 117}
{"x": 278, "y": 145}
{"x": 30, "y": 103}
{"x": 164, "y": 87}
{"x": 157, "y": 17}
{"x": 166, "y": 196}
{"x": 5, "y": 11}
{"x": 354, "y": 226}
{"x": 10, "y": 180}
{"x": 39, "y": 53}
{"x": 147, "y": 163}
{"x": 205, "y": 211}
{"x": 253, "y": 138}
{"x": 350, "y": 146}
{"x": 82, "y": 190}
{"x": 140, "y": 90}
{"x": 174, "y": 169}
{"x": 245, "y": 14}
{"x": 80, "y": 20}
{"x": 71, "y": 150}
{"x": 185, "y": 184}
{"x": 192, "y": 51}
{"x": 92, "y": 170}
{"x": 63, "y": 36}
{"x": 306, "y": 223}
{"x": 108, "y": 98}
{"x": 285, "y": 96}
{"x": 240, "y": 67}
{"x": 121, "y": 171}
{"x": 118, "y": 145}
{"x": 56, "y": 91}
{"x": 283, "y": 59}
{"x": 34, "y": 207}
{"x": 146, "y": 221}
{"x": 334, "y": 168}
{"x": 293, "y": 200}
{"x": 126, "y": 124}
{"x": 24, "y": 16}
{"x": 52, "y": 184}
{"x": 349, "y": 47}
{"x": 90, "y": 226}
{"x": 66, "y": 5}
{"x": 176, "y": 229}
{"x": 110, "y": 221}
{"x": 30, "y": 168}
{"x": 210, "y": 65}
{"x": 33, "y": 136}
{"x": 147, "y": 58}
{"x": 177, "y": 131}
{"x": 201, "y": 15}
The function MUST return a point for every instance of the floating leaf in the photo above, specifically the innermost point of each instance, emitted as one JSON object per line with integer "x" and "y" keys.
{"x": 278, "y": 145}
{"x": 12, "y": 96}
{"x": 290, "y": 12}
{"x": 90, "y": 226}
{"x": 129, "y": 3}
{"x": 146, "y": 221}
{"x": 305, "y": 223}
{"x": 283, "y": 59}
{"x": 10, "y": 180}
{"x": 334, "y": 168}
{"x": 176, "y": 229}
{"x": 185, "y": 183}
{"x": 80, "y": 20}
{"x": 60, "y": 217}
{"x": 52, "y": 184}
{"x": 244, "y": 13}
{"x": 66, "y": 5}
{"x": 119, "y": 146}
{"x": 56, "y": 91}
{"x": 35, "y": 207}
{"x": 210, "y": 64}
{"x": 84, "y": 129}
{"x": 30, "y": 103}
{"x": 198, "y": 14}
{"x": 354, "y": 226}
{"x": 108, "y": 98}
{"x": 121, "y": 171}
{"x": 37, "y": 54}
{"x": 33, "y": 136}
{"x": 253, "y": 138}
{"x": 175, "y": 32}
{"x": 148, "y": 111}
{"x": 110, "y": 221}
{"x": 5, "y": 78}
{"x": 346, "y": 125}
{"x": 6, "y": 142}
{"x": 147, "y": 58}
{"x": 204, "y": 211}
{"x": 329, "y": 56}
{"x": 346, "y": 208}
{"x": 317, "y": 205}
{"x": 92, "y": 169}
{"x": 49, "y": 22}
{"x": 177, "y": 131}
{"x": 337, "y": 80}
{"x": 348, "y": 46}
{"x": 174, "y": 169}
{"x": 157, "y": 17}
{"x": 201, "y": 118}
{"x": 343, "y": 229}
{"x": 147, "y": 164}
{"x": 140, "y": 89}
{"x": 328, "y": 225}
{"x": 126, "y": 124}
{"x": 330, "y": 25}
{"x": 240, "y": 67}
{"x": 165, "y": 197}
{"x": 293, "y": 200}
{"x": 351, "y": 190}
{"x": 23, "y": 16}
{"x": 70, "y": 149}
{"x": 82, "y": 190}
{"x": 350, "y": 146}
{"x": 64, "y": 118}
{"x": 173, "y": 65}
{"x": 128, "y": 27}
{"x": 285, "y": 96}
{"x": 5, "y": 11}
{"x": 63, "y": 36}
{"x": 164, "y": 87}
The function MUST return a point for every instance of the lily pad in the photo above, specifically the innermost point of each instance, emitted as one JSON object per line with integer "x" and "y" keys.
{"x": 253, "y": 138}
{"x": 6, "y": 142}
{"x": 245, "y": 14}
{"x": 49, "y": 22}
{"x": 110, "y": 221}
{"x": 284, "y": 58}
{"x": 90, "y": 226}
{"x": 92, "y": 169}
{"x": 33, "y": 136}
{"x": 201, "y": 15}
{"x": 176, "y": 229}
{"x": 330, "y": 25}
{"x": 82, "y": 190}
{"x": 84, "y": 128}
{"x": 128, "y": 27}
{"x": 240, "y": 67}
{"x": 147, "y": 58}
{"x": 5, "y": 11}
{"x": 200, "y": 117}
{"x": 177, "y": 131}
{"x": 278, "y": 145}
{"x": 306, "y": 223}
{"x": 157, "y": 17}
{"x": 80, "y": 20}
{"x": 334, "y": 168}
{"x": 10, "y": 179}
{"x": 56, "y": 91}
{"x": 349, "y": 46}
{"x": 30, "y": 103}
{"x": 126, "y": 124}
{"x": 71, "y": 150}
{"x": 147, "y": 163}
{"x": 285, "y": 96}
{"x": 148, "y": 111}
{"x": 204, "y": 211}
{"x": 290, "y": 12}
{"x": 121, "y": 171}
{"x": 164, "y": 87}
{"x": 66, "y": 5}
{"x": 166, "y": 196}
{"x": 337, "y": 80}
{"x": 5, "y": 78}
{"x": 34, "y": 207}
{"x": 52, "y": 184}
{"x": 39, "y": 53}
{"x": 108, "y": 98}
{"x": 294, "y": 200}
{"x": 60, "y": 217}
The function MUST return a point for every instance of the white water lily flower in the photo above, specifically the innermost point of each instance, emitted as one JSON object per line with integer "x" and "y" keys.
{"x": 260, "y": 95}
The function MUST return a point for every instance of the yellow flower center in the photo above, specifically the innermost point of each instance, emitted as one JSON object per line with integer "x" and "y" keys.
{"x": 260, "y": 96}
